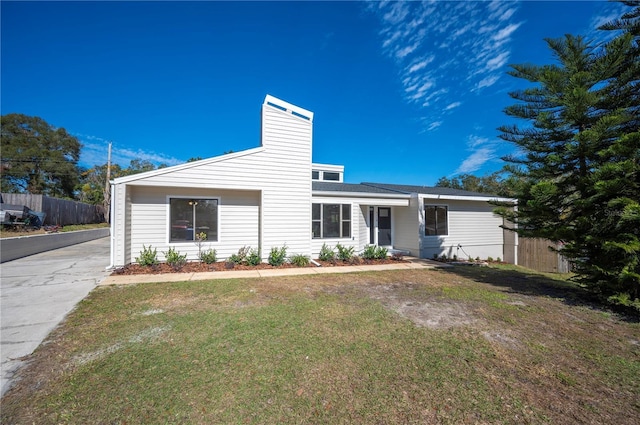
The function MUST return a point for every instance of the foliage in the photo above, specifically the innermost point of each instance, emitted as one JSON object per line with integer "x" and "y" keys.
{"x": 345, "y": 253}
{"x": 148, "y": 256}
{"x": 277, "y": 256}
{"x": 299, "y": 260}
{"x": 579, "y": 167}
{"x": 397, "y": 256}
{"x": 175, "y": 259}
{"x": 241, "y": 256}
{"x": 199, "y": 241}
{"x": 494, "y": 183}
{"x": 38, "y": 157}
{"x": 254, "y": 258}
{"x": 326, "y": 253}
{"x": 372, "y": 252}
{"x": 208, "y": 256}
{"x": 92, "y": 180}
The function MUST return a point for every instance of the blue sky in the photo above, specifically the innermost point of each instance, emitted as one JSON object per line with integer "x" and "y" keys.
{"x": 402, "y": 92}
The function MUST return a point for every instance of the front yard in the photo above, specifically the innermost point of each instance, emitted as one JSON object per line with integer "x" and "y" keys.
{"x": 462, "y": 345}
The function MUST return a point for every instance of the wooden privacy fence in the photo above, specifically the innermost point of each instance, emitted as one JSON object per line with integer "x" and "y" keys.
{"x": 534, "y": 253}
{"x": 61, "y": 212}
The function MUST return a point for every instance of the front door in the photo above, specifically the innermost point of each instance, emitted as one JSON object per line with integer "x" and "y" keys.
{"x": 384, "y": 226}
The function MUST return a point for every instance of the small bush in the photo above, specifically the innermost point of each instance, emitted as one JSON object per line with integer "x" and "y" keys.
{"x": 356, "y": 260}
{"x": 326, "y": 253}
{"x": 435, "y": 256}
{"x": 277, "y": 256}
{"x": 381, "y": 253}
{"x": 148, "y": 256}
{"x": 209, "y": 256}
{"x": 490, "y": 259}
{"x": 299, "y": 260}
{"x": 254, "y": 258}
{"x": 241, "y": 256}
{"x": 369, "y": 252}
{"x": 499, "y": 260}
{"x": 344, "y": 253}
{"x": 175, "y": 259}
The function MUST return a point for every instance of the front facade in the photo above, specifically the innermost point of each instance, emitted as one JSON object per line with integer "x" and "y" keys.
{"x": 273, "y": 195}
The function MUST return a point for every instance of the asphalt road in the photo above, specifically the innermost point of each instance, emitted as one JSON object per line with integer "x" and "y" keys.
{"x": 36, "y": 294}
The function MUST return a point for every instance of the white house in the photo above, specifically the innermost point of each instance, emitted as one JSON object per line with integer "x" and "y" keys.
{"x": 274, "y": 195}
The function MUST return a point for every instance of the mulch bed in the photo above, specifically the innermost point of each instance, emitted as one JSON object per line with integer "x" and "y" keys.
{"x": 196, "y": 267}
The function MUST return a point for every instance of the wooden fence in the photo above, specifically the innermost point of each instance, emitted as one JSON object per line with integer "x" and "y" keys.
{"x": 534, "y": 253}
{"x": 61, "y": 212}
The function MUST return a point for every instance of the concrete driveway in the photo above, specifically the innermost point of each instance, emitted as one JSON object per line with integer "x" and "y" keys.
{"x": 37, "y": 292}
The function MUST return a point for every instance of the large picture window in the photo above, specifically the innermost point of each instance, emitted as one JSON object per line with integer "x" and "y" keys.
{"x": 331, "y": 221}
{"x": 189, "y": 217}
{"x": 435, "y": 220}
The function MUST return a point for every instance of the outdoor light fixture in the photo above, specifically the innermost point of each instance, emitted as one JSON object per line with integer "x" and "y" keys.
{"x": 192, "y": 202}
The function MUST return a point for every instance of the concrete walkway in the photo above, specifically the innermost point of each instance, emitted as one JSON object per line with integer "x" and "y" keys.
{"x": 413, "y": 263}
{"x": 37, "y": 292}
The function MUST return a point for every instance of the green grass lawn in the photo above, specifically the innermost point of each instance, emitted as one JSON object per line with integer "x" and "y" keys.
{"x": 466, "y": 345}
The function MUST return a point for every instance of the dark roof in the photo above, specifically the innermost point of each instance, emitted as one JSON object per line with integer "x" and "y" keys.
{"x": 427, "y": 190}
{"x": 350, "y": 188}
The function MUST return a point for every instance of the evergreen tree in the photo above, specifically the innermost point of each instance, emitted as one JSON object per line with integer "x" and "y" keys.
{"x": 579, "y": 162}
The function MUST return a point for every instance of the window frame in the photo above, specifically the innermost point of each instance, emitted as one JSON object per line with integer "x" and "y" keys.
{"x": 196, "y": 198}
{"x": 436, "y": 207}
{"x": 341, "y": 221}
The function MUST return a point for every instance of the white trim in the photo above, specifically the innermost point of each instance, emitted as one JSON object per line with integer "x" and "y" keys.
{"x": 168, "y": 215}
{"x": 363, "y": 197}
{"x": 289, "y": 107}
{"x": 466, "y": 198}
{"x": 161, "y": 171}
{"x": 315, "y": 166}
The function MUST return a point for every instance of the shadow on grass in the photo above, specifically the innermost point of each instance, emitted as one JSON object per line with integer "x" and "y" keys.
{"x": 526, "y": 282}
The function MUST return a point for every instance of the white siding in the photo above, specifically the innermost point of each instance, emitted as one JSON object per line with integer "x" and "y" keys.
{"x": 280, "y": 171}
{"x": 238, "y": 221}
{"x": 406, "y": 227}
{"x": 363, "y": 233}
{"x": 474, "y": 230}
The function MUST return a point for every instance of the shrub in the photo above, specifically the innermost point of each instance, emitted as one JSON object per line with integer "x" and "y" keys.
{"x": 277, "y": 256}
{"x": 148, "y": 256}
{"x": 326, "y": 253}
{"x": 199, "y": 241}
{"x": 299, "y": 260}
{"x": 381, "y": 253}
{"x": 499, "y": 260}
{"x": 175, "y": 259}
{"x": 369, "y": 252}
{"x": 240, "y": 257}
{"x": 254, "y": 258}
{"x": 344, "y": 253}
{"x": 490, "y": 259}
{"x": 209, "y": 256}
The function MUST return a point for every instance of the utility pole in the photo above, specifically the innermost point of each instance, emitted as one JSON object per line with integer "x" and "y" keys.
{"x": 107, "y": 188}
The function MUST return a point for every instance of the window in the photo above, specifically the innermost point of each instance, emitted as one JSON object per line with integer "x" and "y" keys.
{"x": 331, "y": 221}
{"x": 315, "y": 175}
{"x": 189, "y": 217}
{"x": 435, "y": 220}
{"x": 331, "y": 176}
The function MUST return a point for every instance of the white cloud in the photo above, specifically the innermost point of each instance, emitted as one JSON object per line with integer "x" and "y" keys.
{"x": 434, "y": 125}
{"x": 95, "y": 151}
{"x": 443, "y": 47}
{"x": 487, "y": 82}
{"x": 452, "y": 106}
{"x": 476, "y": 160}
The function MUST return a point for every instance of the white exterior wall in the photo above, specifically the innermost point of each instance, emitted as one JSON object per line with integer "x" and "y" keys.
{"x": 354, "y": 240}
{"x": 405, "y": 227}
{"x": 280, "y": 171}
{"x": 238, "y": 220}
{"x": 363, "y": 228}
{"x": 472, "y": 224}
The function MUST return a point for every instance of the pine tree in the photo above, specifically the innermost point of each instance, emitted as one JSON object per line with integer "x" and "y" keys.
{"x": 579, "y": 158}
